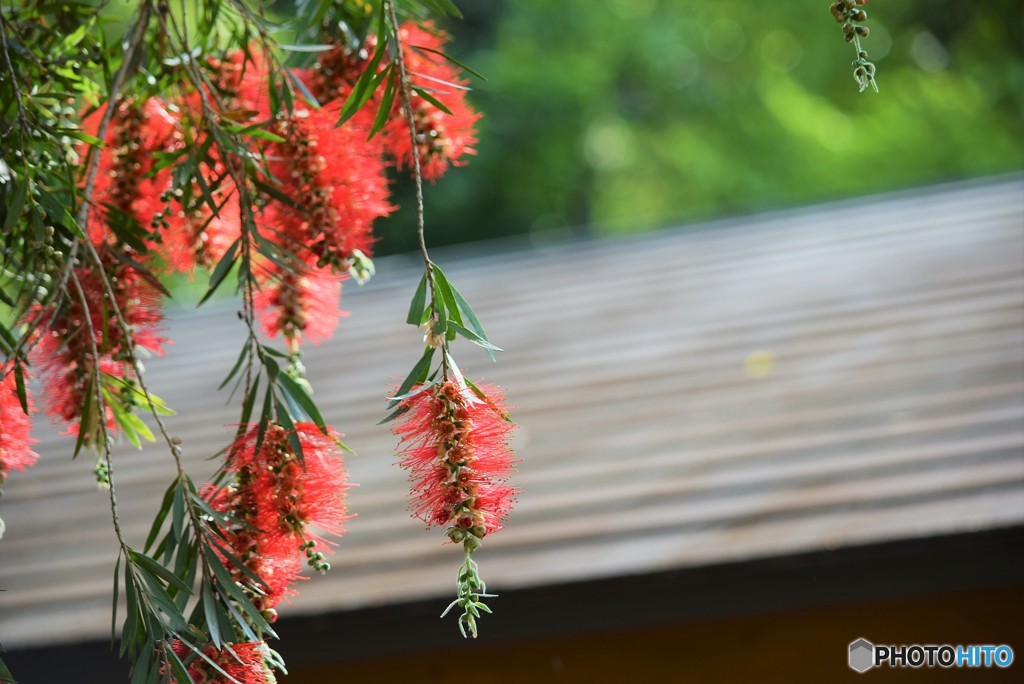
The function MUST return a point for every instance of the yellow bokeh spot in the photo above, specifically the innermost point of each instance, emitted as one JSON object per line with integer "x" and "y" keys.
{"x": 759, "y": 364}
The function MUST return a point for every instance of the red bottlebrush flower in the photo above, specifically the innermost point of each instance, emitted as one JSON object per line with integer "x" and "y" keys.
{"x": 455, "y": 445}
{"x": 121, "y": 187}
{"x": 64, "y": 351}
{"x": 443, "y": 139}
{"x": 243, "y": 85}
{"x": 336, "y": 71}
{"x": 337, "y": 178}
{"x": 278, "y": 496}
{"x": 278, "y": 568}
{"x": 246, "y": 663}
{"x": 291, "y": 494}
{"x": 197, "y": 237}
{"x": 15, "y": 441}
{"x": 304, "y": 302}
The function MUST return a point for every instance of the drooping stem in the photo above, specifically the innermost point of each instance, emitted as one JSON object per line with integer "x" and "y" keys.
{"x": 410, "y": 117}
{"x": 101, "y": 409}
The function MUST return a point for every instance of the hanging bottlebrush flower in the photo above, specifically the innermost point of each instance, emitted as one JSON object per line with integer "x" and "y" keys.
{"x": 336, "y": 180}
{"x": 454, "y": 442}
{"x": 442, "y": 137}
{"x": 303, "y": 302}
{"x": 65, "y": 351}
{"x": 126, "y": 195}
{"x": 277, "y": 494}
{"x": 15, "y": 441}
{"x": 196, "y": 235}
{"x": 455, "y": 445}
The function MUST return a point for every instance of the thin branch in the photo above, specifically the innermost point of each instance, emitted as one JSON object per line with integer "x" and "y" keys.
{"x": 410, "y": 117}
{"x": 101, "y": 407}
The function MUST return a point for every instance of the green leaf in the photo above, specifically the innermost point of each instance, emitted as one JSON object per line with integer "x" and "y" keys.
{"x": 160, "y": 571}
{"x": 417, "y": 375}
{"x": 177, "y": 511}
{"x": 143, "y": 667}
{"x": 19, "y": 385}
{"x": 441, "y": 309}
{"x": 125, "y": 226}
{"x": 470, "y": 318}
{"x": 131, "y": 619}
{"x": 234, "y": 369}
{"x": 473, "y": 337}
{"x": 228, "y": 585}
{"x": 368, "y": 80}
{"x": 161, "y": 516}
{"x": 222, "y": 269}
{"x": 418, "y": 304}
{"x": 301, "y": 87}
{"x": 447, "y": 292}
{"x": 464, "y": 67}
{"x": 443, "y": 7}
{"x": 265, "y": 415}
{"x": 423, "y": 387}
{"x": 285, "y": 420}
{"x": 303, "y": 399}
{"x": 15, "y": 206}
{"x": 393, "y": 415}
{"x": 432, "y": 100}
{"x": 178, "y": 668}
{"x": 273, "y": 368}
{"x": 121, "y": 416}
{"x": 58, "y": 212}
{"x": 117, "y": 595}
{"x": 85, "y": 426}
{"x": 210, "y": 611}
{"x": 250, "y": 400}
{"x": 140, "y": 427}
{"x": 199, "y": 653}
{"x": 146, "y": 274}
{"x": 254, "y": 131}
{"x": 386, "y": 102}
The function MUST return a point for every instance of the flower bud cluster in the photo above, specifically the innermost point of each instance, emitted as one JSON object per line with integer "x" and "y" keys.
{"x": 850, "y": 14}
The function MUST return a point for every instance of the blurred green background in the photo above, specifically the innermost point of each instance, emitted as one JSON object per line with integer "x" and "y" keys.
{"x": 623, "y": 115}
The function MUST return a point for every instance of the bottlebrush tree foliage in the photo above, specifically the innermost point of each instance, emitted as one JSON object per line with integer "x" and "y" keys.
{"x": 197, "y": 142}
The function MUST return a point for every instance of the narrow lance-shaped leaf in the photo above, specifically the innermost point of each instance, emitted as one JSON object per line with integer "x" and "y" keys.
{"x": 161, "y": 516}
{"x": 19, "y": 384}
{"x": 222, "y": 269}
{"x": 417, "y": 375}
{"x": 422, "y": 92}
{"x": 461, "y": 65}
{"x": 386, "y": 102}
{"x": 368, "y": 80}
{"x": 473, "y": 337}
{"x": 160, "y": 571}
{"x": 469, "y": 316}
{"x": 303, "y": 399}
{"x": 418, "y": 304}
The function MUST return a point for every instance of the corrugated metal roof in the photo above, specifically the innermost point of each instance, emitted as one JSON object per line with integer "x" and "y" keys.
{"x": 893, "y": 330}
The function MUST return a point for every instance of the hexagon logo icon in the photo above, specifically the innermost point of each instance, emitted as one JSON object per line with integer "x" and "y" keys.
{"x": 862, "y": 655}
